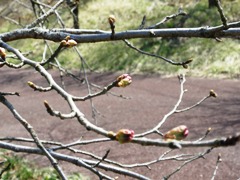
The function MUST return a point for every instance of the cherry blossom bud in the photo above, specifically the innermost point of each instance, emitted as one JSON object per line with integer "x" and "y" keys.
{"x": 124, "y": 135}
{"x": 212, "y": 93}
{"x": 111, "y": 19}
{"x": 124, "y": 80}
{"x": 72, "y": 43}
{"x": 64, "y": 42}
{"x": 177, "y": 133}
{"x": 67, "y": 42}
{"x": 209, "y": 129}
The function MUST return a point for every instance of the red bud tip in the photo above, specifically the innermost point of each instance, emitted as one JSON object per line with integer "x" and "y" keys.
{"x": 124, "y": 80}
{"x": 177, "y": 133}
{"x": 124, "y": 135}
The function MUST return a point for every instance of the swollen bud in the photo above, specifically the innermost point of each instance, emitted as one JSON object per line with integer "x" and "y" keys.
{"x": 2, "y": 53}
{"x": 48, "y": 107}
{"x": 177, "y": 133}
{"x": 124, "y": 135}
{"x": 124, "y": 80}
{"x": 31, "y": 84}
{"x": 185, "y": 66}
{"x": 209, "y": 129}
{"x": 111, "y": 19}
{"x": 67, "y": 42}
{"x": 212, "y": 93}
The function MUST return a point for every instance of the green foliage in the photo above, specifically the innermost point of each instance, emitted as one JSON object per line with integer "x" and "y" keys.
{"x": 210, "y": 58}
{"x": 14, "y": 167}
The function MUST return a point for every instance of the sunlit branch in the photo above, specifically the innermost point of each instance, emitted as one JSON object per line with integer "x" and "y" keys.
{"x": 200, "y": 32}
{"x": 103, "y": 91}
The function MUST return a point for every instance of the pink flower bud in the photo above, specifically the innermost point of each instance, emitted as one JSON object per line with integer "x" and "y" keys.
{"x": 177, "y": 133}
{"x": 124, "y": 80}
{"x": 124, "y": 135}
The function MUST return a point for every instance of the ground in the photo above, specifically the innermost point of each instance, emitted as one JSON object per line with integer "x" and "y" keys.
{"x": 150, "y": 97}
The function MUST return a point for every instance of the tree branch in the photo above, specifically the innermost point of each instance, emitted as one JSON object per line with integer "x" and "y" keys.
{"x": 57, "y": 35}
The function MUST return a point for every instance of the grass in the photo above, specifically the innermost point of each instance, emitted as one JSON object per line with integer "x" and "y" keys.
{"x": 14, "y": 167}
{"x": 210, "y": 58}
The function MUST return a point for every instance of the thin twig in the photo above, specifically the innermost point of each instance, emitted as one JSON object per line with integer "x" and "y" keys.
{"x": 154, "y": 129}
{"x": 187, "y": 162}
{"x": 205, "y": 135}
{"x": 193, "y": 106}
{"x": 46, "y": 15}
{"x": 9, "y": 93}
{"x": 143, "y": 22}
{"x": 103, "y": 158}
{"x": 167, "y": 18}
{"x": 156, "y": 56}
{"x": 219, "y": 160}
{"x": 223, "y": 17}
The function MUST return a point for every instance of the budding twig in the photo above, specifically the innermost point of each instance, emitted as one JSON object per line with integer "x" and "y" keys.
{"x": 112, "y": 20}
{"x": 58, "y": 113}
{"x": 39, "y": 88}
